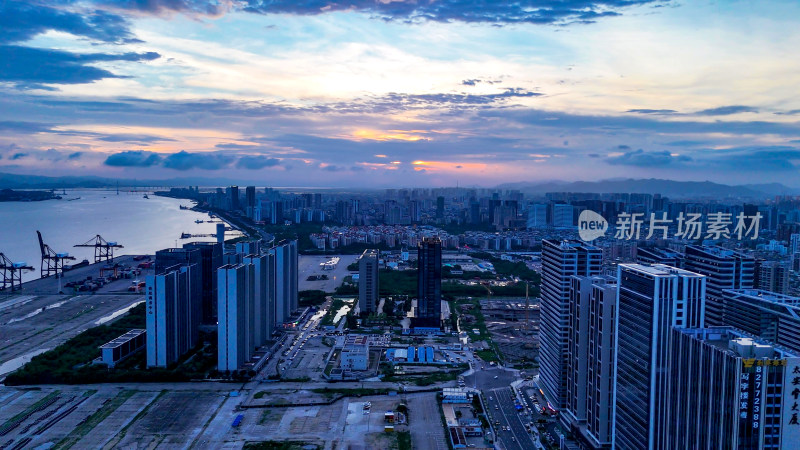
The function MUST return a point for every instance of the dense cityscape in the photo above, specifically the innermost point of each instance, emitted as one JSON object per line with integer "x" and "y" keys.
{"x": 492, "y": 307}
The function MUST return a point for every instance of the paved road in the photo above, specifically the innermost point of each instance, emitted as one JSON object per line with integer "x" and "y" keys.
{"x": 501, "y": 409}
{"x": 425, "y": 425}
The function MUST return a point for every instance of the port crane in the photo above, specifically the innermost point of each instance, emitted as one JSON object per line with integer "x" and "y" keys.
{"x": 52, "y": 262}
{"x": 12, "y": 273}
{"x": 103, "y": 250}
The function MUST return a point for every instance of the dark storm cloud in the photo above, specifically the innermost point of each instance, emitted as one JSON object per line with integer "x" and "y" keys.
{"x": 256, "y": 162}
{"x": 184, "y": 160}
{"x": 33, "y": 65}
{"x": 641, "y": 158}
{"x": 133, "y": 158}
{"x": 22, "y": 20}
{"x": 500, "y": 12}
{"x": 726, "y": 110}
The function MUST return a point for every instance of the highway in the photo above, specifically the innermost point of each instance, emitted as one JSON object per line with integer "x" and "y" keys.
{"x": 500, "y": 406}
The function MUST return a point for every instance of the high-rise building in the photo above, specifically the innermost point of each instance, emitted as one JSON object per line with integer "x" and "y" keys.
{"x": 728, "y": 390}
{"x": 174, "y": 313}
{"x": 656, "y": 255}
{"x": 725, "y": 269}
{"x": 233, "y": 332}
{"x": 537, "y": 215}
{"x": 651, "y": 301}
{"x": 590, "y": 359}
{"x": 440, "y": 207}
{"x": 252, "y": 247}
{"x": 767, "y": 315}
{"x": 368, "y": 290}
{"x": 233, "y": 197}
{"x": 210, "y": 261}
{"x": 263, "y": 316}
{"x": 560, "y": 261}
{"x": 170, "y": 257}
{"x": 250, "y": 200}
{"x": 429, "y": 282}
{"x": 475, "y": 212}
{"x": 283, "y": 277}
{"x": 772, "y": 276}
{"x": 563, "y": 215}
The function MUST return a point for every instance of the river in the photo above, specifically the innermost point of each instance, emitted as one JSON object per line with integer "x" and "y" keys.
{"x": 141, "y": 225}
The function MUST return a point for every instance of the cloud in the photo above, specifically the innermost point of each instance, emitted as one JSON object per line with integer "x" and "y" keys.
{"x": 499, "y": 12}
{"x": 256, "y": 162}
{"x": 17, "y": 156}
{"x": 184, "y": 160}
{"x": 658, "y": 112}
{"x": 24, "y": 127}
{"x": 22, "y": 20}
{"x": 641, "y": 158}
{"x": 788, "y": 113}
{"x": 26, "y": 65}
{"x": 160, "y": 7}
{"x": 133, "y": 158}
{"x": 726, "y": 110}
{"x": 75, "y": 155}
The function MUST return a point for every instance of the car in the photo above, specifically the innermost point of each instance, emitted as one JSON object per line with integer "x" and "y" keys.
{"x": 495, "y": 377}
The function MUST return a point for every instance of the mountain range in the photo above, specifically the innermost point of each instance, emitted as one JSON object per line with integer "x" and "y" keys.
{"x": 667, "y": 188}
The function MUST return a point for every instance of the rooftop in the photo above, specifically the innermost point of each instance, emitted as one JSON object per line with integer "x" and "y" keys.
{"x": 127, "y": 337}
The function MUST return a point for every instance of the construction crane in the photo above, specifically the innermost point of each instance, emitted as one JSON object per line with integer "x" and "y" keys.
{"x": 12, "y": 273}
{"x": 52, "y": 262}
{"x": 103, "y": 250}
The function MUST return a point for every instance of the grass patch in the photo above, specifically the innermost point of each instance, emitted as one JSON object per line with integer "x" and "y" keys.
{"x": 351, "y": 392}
{"x": 70, "y": 362}
{"x": 487, "y": 355}
{"x": 260, "y": 394}
{"x": 312, "y": 297}
{"x": 336, "y": 305}
{"x": 92, "y": 421}
{"x": 404, "y": 440}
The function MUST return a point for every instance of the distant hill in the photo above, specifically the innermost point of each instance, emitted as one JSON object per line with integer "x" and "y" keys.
{"x": 14, "y": 181}
{"x": 668, "y": 188}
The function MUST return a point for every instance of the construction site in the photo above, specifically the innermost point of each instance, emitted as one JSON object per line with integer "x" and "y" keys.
{"x": 514, "y": 327}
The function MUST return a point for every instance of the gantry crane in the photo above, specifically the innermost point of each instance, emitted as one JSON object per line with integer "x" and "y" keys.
{"x": 12, "y": 273}
{"x": 52, "y": 262}
{"x": 103, "y": 250}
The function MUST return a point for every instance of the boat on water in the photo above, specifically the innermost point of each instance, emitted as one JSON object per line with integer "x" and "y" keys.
{"x": 184, "y": 207}
{"x": 73, "y": 199}
{"x": 145, "y": 196}
{"x": 198, "y": 221}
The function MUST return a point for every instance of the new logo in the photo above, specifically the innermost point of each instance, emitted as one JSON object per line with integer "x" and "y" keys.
{"x": 591, "y": 225}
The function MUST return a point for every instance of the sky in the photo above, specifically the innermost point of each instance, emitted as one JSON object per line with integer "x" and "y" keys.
{"x": 378, "y": 93}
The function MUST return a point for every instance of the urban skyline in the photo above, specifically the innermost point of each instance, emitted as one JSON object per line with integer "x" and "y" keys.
{"x": 400, "y": 224}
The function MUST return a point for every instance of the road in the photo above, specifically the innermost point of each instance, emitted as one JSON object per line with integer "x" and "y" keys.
{"x": 291, "y": 344}
{"x": 500, "y": 406}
